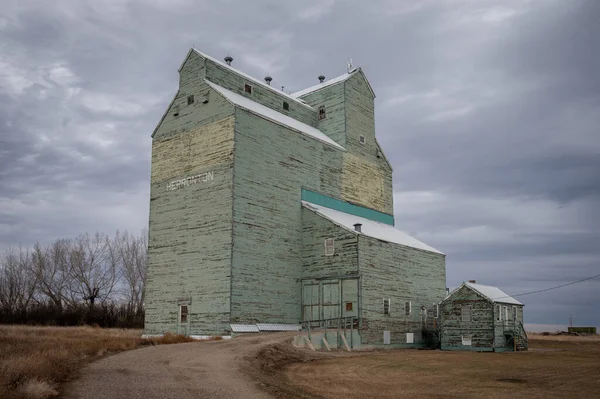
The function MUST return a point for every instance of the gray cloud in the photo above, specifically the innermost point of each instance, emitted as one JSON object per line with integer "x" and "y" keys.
{"x": 489, "y": 112}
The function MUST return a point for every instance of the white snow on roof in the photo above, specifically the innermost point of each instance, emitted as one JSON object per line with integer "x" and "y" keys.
{"x": 494, "y": 294}
{"x": 254, "y": 80}
{"x": 274, "y": 116}
{"x": 370, "y": 228}
{"x": 329, "y": 82}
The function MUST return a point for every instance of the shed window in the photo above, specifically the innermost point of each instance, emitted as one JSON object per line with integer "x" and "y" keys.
{"x": 183, "y": 314}
{"x": 247, "y": 88}
{"x": 386, "y": 306}
{"x": 286, "y": 106}
{"x": 506, "y": 313}
{"x": 465, "y": 313}
{"x": 348, "y": 306}
{"x": 514, "y": 313}
{"x": 190, "y": 99}
{"x": 362, "y": 139}
{"x": 407, "y": 308}
{"x": 329, "y": 246}
{"x": 322, "y": 114}
{"x": 466, "y": 340}
{"x": 436, "y": 310}
{"x": 498, "y": 313}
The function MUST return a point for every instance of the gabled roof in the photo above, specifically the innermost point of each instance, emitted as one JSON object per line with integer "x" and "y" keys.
{"x": 493, "y": 294}
{"x": 273, "y": 116}
{"x": 248, "y": 77}
{"x": 369, "y": 228}
{"x": 331, "y": 82}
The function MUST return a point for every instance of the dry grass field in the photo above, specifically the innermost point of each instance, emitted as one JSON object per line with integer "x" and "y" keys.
{"x": 554, "y": 367}
{"x": 35, "y": 361}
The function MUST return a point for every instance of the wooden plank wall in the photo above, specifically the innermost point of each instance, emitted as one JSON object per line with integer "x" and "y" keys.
{"x": 401, "y": 274}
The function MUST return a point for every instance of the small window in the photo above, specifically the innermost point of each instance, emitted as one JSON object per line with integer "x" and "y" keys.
{"x": 190, "y": 99}
{"x": 407, "y": 308}
{"x": 183, "y": 314}
{"x": 248, "y": 88}
{"x": 514, "y": 313}
{"x": 348, "y": 306}
{"x": 286, "y": 106}
{"x": 498, "y": 313}
{"x": 362, "y": 139}
{"x": 465, "y": 313}
{"x": 436, "y": 310}
{"x": 506, "y": 315}
{"x": 322, "y": 114}
{"x": 424, "y": 315}
{"x": 386, "y": 306}
{"x": 466, "y": 340}
{"x": 329, "y": 246}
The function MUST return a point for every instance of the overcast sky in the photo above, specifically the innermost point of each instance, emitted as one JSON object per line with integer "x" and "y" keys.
{"x": 489, "y": 112}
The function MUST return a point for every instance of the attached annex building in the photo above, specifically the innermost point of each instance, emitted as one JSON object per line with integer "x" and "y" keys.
{"x": 267, "y": 207}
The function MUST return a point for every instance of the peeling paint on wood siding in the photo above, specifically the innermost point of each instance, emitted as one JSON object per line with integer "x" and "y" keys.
{"x": 190, "y": 230}
{"x": 219, "y": 75}
{"x": 365, "y": 183}
{"x": 272, "y": 164}
{"x": 401, "y": 274}
{"x": 332, "y": 98}
{"x": 315, "y": 264}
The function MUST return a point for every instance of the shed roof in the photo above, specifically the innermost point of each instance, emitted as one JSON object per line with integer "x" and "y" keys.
{"x": 494, "y": 294}
{"x": 274, "y": 116}
{"x": 369, "y": 228}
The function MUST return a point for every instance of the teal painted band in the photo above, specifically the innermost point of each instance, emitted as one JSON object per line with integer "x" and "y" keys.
{"x": 343, "y": 206}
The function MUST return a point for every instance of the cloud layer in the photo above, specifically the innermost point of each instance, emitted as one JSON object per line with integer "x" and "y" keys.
{"x": 488, "y": 111}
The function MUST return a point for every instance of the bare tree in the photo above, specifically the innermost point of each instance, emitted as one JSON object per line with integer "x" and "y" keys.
{"x": 93, "y": 275}
{"x": 17, "y": 284}
{"x": 50, "y": 264}
{"x": 132, "y": 258}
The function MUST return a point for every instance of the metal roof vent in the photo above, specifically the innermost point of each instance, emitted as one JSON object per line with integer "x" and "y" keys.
{"x": 268, "y": 79}
{"x": 473, "y": 281}
{"x": 228, "y": 60}
{"x": 321, "y": 78}
{"x": 358, "y": 227}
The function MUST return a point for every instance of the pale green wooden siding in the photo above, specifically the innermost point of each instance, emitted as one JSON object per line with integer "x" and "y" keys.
{"x": 332, "y": 98}
{"x": 219, "y": 75}
{"x": 401, "y": 274}
{"x": 315, "y": 264}
{"x": 272, "y": 164}
{"x": 190, "y": 228}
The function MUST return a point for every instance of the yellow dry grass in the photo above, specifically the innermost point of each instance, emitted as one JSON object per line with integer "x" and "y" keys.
{"x": 34, "y": 361}
{"x": 554, "y": 367}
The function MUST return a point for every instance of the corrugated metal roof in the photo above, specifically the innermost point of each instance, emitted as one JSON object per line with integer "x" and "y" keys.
{"x": 273, "y": 115}
{"x": 370, "y": 228}
{"x": 244, "y": 328}
{"x": 327, "y": 83}
{"x": 278, "y": 327}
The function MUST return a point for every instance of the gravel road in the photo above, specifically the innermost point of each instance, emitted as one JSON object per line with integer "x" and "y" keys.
{"x": 209, "y": 369}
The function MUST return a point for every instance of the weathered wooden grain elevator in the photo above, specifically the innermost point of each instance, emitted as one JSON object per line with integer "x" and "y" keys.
{"x": 268, "y": 207}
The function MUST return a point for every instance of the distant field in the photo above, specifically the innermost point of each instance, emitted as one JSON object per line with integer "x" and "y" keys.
{"x": 35, "y": 361}
{"x": 554, "y": 367}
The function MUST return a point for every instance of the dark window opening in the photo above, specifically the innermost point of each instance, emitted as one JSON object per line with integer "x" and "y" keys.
{"x": 362, "y": 139}
{"x": 248, "y": 88}
{"x": 190, "y": 99}
{"x": 407, "y": 308}
{"x": 348, "y": 306}
{"x": 322, "y": 114}
{"x": 286, "y": 106}
{"x": 183, "y": 314}
{"x": 386, "y": 306}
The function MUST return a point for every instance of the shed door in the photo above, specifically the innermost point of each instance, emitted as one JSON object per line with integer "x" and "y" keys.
{"x": 331, "y": 299}
{"x": 310, "y": 301}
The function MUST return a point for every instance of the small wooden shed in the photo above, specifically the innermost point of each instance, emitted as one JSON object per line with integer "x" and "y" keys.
{"x": 481, "y": 318}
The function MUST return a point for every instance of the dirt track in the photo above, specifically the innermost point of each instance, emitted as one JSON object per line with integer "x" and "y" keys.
{"x": 238, "y": 368}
